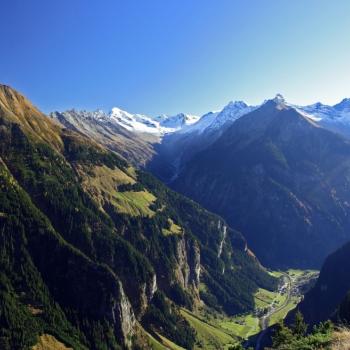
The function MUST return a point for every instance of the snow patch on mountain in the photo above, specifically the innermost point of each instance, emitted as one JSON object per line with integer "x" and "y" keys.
{"x": 134, "y": 122}
{"x": 161, "y": 125}
{"x": 138, "y": 123}
{"x": 324, "y": 114}
{"x": 337, "y": 115}
{"x": 215, "y": 120}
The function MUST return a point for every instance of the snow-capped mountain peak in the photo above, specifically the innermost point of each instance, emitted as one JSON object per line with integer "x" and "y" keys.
{"x": 215, "y": 120}
{"x": 335, "y": 116}
{"x": 138, "y": 123}
{"x": 344, "y": 105}
{"x": 134, "y": 122}
{"x": 236, "y": 104}
{"x": 176, "y": 121}
{"x": 279, "y": 99}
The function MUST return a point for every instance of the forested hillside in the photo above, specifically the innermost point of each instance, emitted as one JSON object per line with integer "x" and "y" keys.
{"x": 329, "y": 299}
{"x": 96, "y": 253}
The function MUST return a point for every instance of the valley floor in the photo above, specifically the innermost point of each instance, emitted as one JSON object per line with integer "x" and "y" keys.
{"x": 216, "y": 331}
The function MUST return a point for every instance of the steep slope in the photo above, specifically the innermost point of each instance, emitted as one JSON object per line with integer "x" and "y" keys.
{"x": 336, "y": 118}
{"x": 133, "y": 136}
{"x": 93, "y": 250}
{"x": 330, "y": 296}
{"x": 18, "y": 110}
{"x": 47, "y": 285}
{"x": 135, "y": 147}
{"x": 279, "y": 178}
{"x": 175, "y": 149}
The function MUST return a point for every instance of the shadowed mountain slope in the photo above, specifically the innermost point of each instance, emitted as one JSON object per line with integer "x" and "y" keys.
{"x": 279, "y": 178}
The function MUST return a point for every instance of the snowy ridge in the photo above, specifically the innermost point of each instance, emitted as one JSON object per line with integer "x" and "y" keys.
{"x": 161, "y": 125}
{"x": 215, "y": 120}
{"x": 138, "y": 123}
{"x": 337, "y": 116}
{"x": 339, "y": 113}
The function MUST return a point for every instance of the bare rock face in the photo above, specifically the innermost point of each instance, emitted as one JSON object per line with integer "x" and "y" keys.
{"x": 187, "y": 270}
{"x": 126, "y": 318}
{"x": 182, "y": 269}
{"x": 147, "y": 291}
{"x": 195, "y": 263}
{"x": 224, "y": 234}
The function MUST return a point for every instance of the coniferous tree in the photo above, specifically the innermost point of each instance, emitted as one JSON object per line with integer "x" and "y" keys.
{"x": 299, "y": 327}
{"x": 283, "y": 335}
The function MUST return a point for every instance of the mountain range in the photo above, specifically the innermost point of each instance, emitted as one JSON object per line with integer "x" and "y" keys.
{"x": 163, "y": 143}
{"x": 98, "y": 254}
{"x": 277, "y": 172}
{"x": 279, "y": 177}
{"x": 187, "y": 123}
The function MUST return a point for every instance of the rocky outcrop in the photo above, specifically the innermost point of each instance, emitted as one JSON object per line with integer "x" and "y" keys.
{"x": 187, "y": 269}
{"x": 195, "y": 264}
{"x": 147, "y": 291}
{"x": 182, "y": 269}
{"x": 224, "y": 234}
{"x": 124, "y": 318}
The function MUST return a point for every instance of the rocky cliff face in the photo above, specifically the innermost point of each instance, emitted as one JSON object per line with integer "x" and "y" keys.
{"x": 187, "y": 271}
{"x": 125, "y": 318}
{"x": 146, "y": 294}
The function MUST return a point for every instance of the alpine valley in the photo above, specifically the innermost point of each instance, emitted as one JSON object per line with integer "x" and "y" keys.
{"x": 279, "y": 173}
{"x": 125, "y": 231}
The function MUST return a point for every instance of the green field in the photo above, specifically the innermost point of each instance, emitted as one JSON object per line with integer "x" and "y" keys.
{"x": 172, "y": 230}
{"x": 169, "y": 344}
{"x": 134, "y": 203}
{"x": 276, "y": 273}
{"x": 281, "y": 314}
{"x": 263, "y": 298}
{"x": 155, "y": 344}
{"x": 209, "y": 336}
{"x": 217, "y": 331}
{"x": 162, "y": 344}
{"x": 241, "y": 326}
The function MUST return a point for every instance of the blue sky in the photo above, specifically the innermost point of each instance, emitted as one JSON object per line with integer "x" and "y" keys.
{"x": 163, "y": 56}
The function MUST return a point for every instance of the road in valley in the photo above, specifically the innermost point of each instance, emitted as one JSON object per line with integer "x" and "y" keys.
{"x": 265, "y": 319}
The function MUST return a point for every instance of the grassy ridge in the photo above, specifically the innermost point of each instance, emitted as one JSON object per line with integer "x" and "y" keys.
{"x": 209, "y": 336}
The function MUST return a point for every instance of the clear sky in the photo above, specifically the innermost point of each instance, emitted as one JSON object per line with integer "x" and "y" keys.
{"x": 169, "y": 56}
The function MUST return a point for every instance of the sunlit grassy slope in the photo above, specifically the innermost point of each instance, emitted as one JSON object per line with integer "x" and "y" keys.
{"x": 134, "y": 203}
{"x": 173, "y": 229}
{"x": 169, "y": 344}
{"x": 209, "y": 335}
{"x": 241, "y": 326}
{"x": 102, "y": 183}
{"x": 49, "y": 342}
